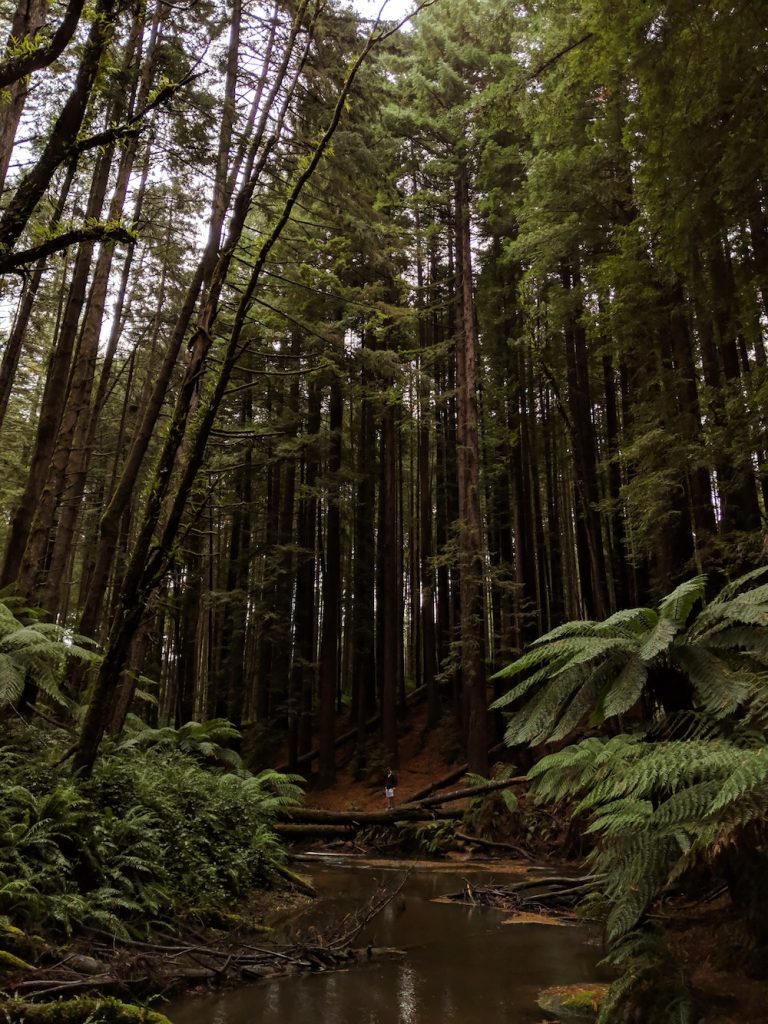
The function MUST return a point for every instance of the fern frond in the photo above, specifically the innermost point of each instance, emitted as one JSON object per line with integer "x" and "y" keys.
{"x": 626, "y": 689}
{"x": 748, "y": 773}
{"x": 677, "y": 606}
{"x": 720, "y": 689}
{"x": 732, "y": 589}
{"x": 628, "y": 621}
{"x": 659, "y": 639}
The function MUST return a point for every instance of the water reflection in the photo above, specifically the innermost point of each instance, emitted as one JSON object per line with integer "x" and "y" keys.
{"x": 462, "y": 966}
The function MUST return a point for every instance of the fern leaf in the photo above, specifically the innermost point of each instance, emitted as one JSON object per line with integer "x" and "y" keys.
{"x": 677, "y": 605}
{"x": 720, "y": 689}
{"x": 659, "y": 639}
{"x": 626, "y": 689}
{"x": 750, "y": 773}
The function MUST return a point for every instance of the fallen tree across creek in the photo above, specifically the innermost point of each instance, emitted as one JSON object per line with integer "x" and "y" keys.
{"x": 420, "y": 810}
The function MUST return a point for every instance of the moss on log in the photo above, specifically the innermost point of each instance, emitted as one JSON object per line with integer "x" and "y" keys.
{"x": 85, "y": 1010}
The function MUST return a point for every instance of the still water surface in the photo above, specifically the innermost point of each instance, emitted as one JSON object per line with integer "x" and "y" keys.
{"x": 462, "y": 965}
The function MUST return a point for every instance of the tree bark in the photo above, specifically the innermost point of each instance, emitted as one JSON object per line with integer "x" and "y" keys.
{"x": 471, "y": 547}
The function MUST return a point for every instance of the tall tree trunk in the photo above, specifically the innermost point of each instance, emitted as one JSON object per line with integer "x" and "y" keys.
{"x": 588, "y": 525}
{"x": 391, "y": 622}
{"x": 28, "y": 19}
{"x": 304, "y": 667}
{"x": 364, "y": 565}
{"x": 54, "y": 398}
{"x": 329, "y": 642}
{"x": 13, "y": 347}
{"x": 471, "y": 547}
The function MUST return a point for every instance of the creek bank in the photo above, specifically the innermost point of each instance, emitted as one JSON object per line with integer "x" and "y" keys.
{"x": 101, "y": 969}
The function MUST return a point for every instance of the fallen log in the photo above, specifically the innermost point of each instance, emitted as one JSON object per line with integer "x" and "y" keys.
{"x": 493, "y": 845}
{"x": 315, "y": 816}
{"x": 461, "y": 794}
{"x": 454, "y": 776}
{"x": 295, "y": 830}
{"x": 296, "y": 880}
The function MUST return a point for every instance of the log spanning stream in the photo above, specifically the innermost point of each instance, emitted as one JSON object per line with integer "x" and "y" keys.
{"x": 462, "y": 965}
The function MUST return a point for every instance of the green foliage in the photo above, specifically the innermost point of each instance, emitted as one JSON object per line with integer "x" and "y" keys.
{"x": 435, "y": 837}
{"x": 643, "y": 661}
{"x": 657, "y": 809}
{"x": 206, "y": 740}
{"x": 83, "y": 1010}
{"x": 689, "y": 792}
{"x": 154, "y": 834}
{"x": 647, "y": 986}
{"x": 35, "y": 651}
{"x": 488, "y": 814}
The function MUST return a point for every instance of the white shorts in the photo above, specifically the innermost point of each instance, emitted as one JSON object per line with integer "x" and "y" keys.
{"x": 389, "y": 794}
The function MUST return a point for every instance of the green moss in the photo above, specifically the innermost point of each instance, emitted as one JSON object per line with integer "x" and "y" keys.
{"x": 9, "y": 962}
{"x": 573, "y": 1003}
{"x": 79, "y": 1011}
{"x": 16, "y": 941}
{"x": 587, "y": 997}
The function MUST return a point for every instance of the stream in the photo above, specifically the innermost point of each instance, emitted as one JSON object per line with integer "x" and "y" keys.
{"x": 462, "y": 965}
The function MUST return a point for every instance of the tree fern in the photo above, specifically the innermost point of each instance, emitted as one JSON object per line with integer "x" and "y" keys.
{"x": 35, "y": 651}
{"x": 607, "y": 669}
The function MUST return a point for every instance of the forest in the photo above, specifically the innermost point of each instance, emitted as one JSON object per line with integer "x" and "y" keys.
{"x": 356, "y": 369}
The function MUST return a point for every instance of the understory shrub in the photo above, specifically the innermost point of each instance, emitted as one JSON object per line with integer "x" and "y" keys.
{"x": 154, "y": 834}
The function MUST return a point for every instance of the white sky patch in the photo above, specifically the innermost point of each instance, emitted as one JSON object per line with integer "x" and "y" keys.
{"x": 394, "y": 10}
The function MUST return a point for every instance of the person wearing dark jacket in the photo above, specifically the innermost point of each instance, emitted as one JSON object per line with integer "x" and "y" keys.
{"x": 389, "y": 788}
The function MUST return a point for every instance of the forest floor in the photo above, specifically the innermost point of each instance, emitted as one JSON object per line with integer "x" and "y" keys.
{"x": 425, "y": 757}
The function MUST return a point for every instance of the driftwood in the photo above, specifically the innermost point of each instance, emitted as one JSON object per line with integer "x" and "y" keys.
{"x": 357, "y": 819}
{"x": 461, "y": 794}
{"x": 555, "y": 893}
{"x": 493, "y": 845}
{"x": 134, "y": 967}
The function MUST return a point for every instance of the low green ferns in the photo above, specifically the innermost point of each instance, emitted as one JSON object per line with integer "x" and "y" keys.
{"x": 154, "y": 835}
{"x": 673, "y": 775}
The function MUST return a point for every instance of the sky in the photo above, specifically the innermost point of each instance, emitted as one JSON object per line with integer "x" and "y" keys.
{"x": 394, "y": 9}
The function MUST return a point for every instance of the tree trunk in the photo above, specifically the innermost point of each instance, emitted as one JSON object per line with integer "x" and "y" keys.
{"x": 471, "y": 547}
{"x": 329, "y": 643}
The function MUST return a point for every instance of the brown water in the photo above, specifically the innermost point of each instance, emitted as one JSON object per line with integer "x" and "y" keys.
{"x": 462, "y": 965}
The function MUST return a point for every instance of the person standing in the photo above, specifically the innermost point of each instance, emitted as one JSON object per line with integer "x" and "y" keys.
{"x": 389, "y": 788}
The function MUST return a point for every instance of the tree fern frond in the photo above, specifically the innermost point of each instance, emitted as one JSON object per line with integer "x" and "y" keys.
{"x": 540, "y": 715}
{"x": 659, "y": 639}
{"x": 577, "y": 627}
{"x": 540, "y": 676}
{"x": 732, "y": 589}
{"x": 636, "y": 620}
{"x": 689, "y": 804}
{"x": 626, "y": 689}
{"x": 750, "y": 771}
{"x": 720, "y": 689}
{"x": 677, "y": 606}
{"x": 574, "y": 712}
{"x": 12, "y": 676}
{"x": 531, "y": 659}
{"x": 619, "y": 816}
